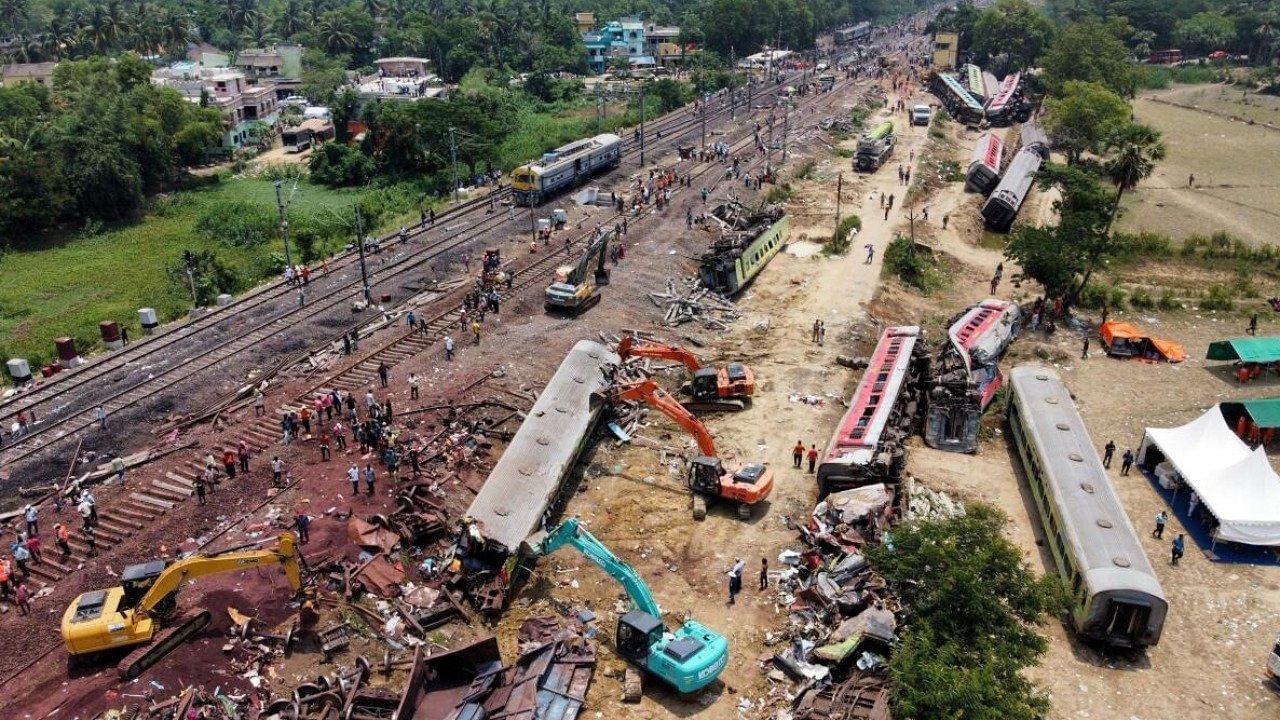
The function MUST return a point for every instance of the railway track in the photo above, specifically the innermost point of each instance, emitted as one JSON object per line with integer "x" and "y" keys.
{"x": 49, "y": 427}
{"x": 145, "y": 505}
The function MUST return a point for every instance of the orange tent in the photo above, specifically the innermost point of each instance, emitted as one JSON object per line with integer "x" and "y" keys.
{"x": 1125, "y": 340}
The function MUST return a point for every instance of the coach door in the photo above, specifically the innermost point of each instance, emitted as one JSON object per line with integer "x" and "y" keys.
{"x": 1126, "y": 623}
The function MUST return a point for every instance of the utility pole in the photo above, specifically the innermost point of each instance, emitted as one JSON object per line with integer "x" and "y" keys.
{"x": 911, "y": 216}
{"x": 189, "y": 261}
{"x": 643, "y": 88}
{"x": 839, "y": 189}
{"x": 768, "y": 153}
{"x": 284, "y": 223}
{"x": 703, "y": 111}
{"x": 453, "y": 158}
{"x": 364, "y": 275}
{"x": 733, "y": 76}
{"x": 786, "y": 125}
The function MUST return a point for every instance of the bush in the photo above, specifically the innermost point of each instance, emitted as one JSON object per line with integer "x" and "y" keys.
{"x": 902, "y": 261}
{"x": 1168, "y": 301}
{"x": 1159, "y": 77}
{"x": 1217, "y": 298}
{"x": 779, "y": 193}
{"x": 1133, "y": 247}
{"x": 1141, "y": 299}
{"x": 805, "y": 170}
{"x": 1096, "y": 296}
{"x": 841, "y": 239}
{"x": 337, "y": 165}
{"x": 237, "y": 223}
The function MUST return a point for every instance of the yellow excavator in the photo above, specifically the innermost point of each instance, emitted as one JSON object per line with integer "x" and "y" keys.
{"x": 142, "y": 610}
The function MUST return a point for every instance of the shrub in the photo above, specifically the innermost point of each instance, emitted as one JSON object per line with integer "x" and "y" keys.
{"x": 841, "y": 238}
{"x": 902, "y": 261}
{"x": 1168, "y": 301}
{"x": 337, "y": 165}
{"x": 805, "y": 170}
{"x": 779, "y": 193}
{"x": 1141, "y": 299}
{"x": 1096, "y": 296}
{"x": 236, "y": 223}
{"x": 1217, "y": 298}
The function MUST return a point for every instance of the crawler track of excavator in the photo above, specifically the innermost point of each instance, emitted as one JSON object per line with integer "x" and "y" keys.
{"x": 144, "y": 657}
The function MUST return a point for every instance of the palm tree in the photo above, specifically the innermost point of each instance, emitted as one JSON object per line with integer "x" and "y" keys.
{"x": 174, "y": 32}
{"x": 99, "y": 31}
{"x": 292, "y": 19}
{"x": 374, "y": 8}
{"x": 257, "y": 32}
{"x": 335, "y": 36}
{"x": 1131, "y": 154}
{"x": 13, "y": 12}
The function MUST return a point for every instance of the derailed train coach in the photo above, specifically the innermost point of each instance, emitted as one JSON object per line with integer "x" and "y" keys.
{"x": 1001, "y": 208}
{"x": 983, "y": 172}
{"x": 957, "y": 99}
{"x": 967, "y": 374}
{"x": 531, "y": 480}
{"x": 1115, "y": 598}
{"x": 867, "y": 446}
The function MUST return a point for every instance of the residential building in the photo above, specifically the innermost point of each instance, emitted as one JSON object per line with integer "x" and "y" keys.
{"x": 402, "y": 78}
{"x": 39, "y": 73}
{"x": 246, "y": 107}
{"x": 597, "y": 51}
{"x": 280, "y": 65}
{"x": 642, "y": 45}
{"x": 585, "y": 22}
{"x": 656, "y": 35}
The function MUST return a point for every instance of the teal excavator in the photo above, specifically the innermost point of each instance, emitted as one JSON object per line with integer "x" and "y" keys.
{"x": 688, "y": 659}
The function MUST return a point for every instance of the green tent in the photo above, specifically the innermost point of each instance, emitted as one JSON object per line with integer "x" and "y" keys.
{"x": 1264, "y": 412}
{"x": 1246, "y": 349}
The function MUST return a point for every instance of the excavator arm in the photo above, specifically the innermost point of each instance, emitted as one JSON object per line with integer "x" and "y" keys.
{"x": 570, "y": 532}
{"x": 628, "y": 347}
{"x": 649, "y": 392}
{"x": 596, "y": 249}
{"x": 285, "y": 554}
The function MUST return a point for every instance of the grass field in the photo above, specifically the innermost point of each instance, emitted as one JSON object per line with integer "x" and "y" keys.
{"x": 65, "y": 286}
{"x": 1234, "y": 163}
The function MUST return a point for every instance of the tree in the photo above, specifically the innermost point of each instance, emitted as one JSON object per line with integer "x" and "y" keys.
{"x": 1063, "y": 258}
{"x": 973, "y": 605}
{"x": 1012, "y": 29}
{"x": 1082, "y": 115}
{"x": 1205, "y": 32}
{"x": 1090, "y": 51}
{"x": 1131, "y": 153}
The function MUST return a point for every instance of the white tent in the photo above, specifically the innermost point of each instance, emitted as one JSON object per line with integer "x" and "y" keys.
{"x": 1235, "y": 483}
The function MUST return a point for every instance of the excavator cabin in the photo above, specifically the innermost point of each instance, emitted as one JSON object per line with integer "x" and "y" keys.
{"x": 709, "y": 388}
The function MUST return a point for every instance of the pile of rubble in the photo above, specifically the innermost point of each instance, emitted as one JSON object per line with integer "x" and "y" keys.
{"x": 694, "y": 302}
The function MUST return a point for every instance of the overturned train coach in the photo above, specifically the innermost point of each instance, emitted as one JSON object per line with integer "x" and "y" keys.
{"x": 530, "y": 481}
{"x": 748, "y": 240}
{"x": 983, "y": 172}
{"x": 967, "y": 374}
{"x": 1115, "y": 598}
{"x": 867, "y": 446}
{"x": 565, "y": 167}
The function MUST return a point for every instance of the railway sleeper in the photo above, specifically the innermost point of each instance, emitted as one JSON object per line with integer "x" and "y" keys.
{"x": 152, "y": 500}
{"x": 114, "y": 526}
{"x": 54, "y": 560}
{"x": 44, "y": 570}
{"x": 184, "y": 490}
{"x": 133, "y": 513}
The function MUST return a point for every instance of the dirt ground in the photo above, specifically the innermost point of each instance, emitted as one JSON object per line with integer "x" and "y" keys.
{"x": 1207, "y": 132}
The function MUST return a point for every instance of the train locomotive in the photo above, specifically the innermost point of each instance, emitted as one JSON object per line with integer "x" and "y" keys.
{"x": 565, "y": 167}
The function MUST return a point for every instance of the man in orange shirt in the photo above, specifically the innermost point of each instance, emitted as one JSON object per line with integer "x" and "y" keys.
{"x": 797, "y": 453}
{"x": 63, "y": 539}
{"x": 813, "y": 457}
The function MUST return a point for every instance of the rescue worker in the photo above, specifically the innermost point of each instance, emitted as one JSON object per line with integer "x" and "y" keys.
{"x": 63, "y": 538}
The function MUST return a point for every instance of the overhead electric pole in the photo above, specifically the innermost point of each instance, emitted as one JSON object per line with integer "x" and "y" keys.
{"x": 453, "y": 158}
{"x": 364, "y": 275}
{"x": 284, "y": 223}
{"x": 643, "y": 89}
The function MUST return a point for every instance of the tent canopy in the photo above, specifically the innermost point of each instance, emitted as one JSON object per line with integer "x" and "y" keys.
{"x": 1246, "y": 349}
{"x": 1113, "y": 330}
{"x": 1235, "y": 483}
{"x": 1264, "y": 412}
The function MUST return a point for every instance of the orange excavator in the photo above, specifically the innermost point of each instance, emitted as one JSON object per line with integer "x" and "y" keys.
{"x": 708, "y": 477}
{"x": 729, "y": 387}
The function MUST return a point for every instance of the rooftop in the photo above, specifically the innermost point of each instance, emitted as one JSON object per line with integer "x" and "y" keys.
{"x": 27, "y": 70}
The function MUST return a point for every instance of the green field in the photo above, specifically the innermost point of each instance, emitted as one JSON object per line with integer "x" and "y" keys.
{"x": 64, "y": 286}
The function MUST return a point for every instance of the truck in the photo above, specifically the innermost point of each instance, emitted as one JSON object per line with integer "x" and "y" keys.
{"x": 921, "y": 114}
{"x": 875, "y": 147}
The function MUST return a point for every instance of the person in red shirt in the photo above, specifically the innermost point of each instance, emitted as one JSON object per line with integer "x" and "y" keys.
{"x": 813, "y": 457}
{"x": 797, "y": 454}
{"x": 23, "y": 598}
{"x": 229, "y": 464}
{"x": 33, "y": 547}
{"x": 63, "y": 539}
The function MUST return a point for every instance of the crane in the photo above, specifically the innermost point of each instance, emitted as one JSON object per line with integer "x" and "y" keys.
{"x": 133, "y": 612}
{"x": 708, "y": 477}
{"x": 574, "y": 289}
{"x": 688, "y": 659}
{"x": 729, "y": 387}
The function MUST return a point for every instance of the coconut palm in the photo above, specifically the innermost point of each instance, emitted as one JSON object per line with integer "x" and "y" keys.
{"x": 1131, "y": 153}
{"x": 292, "y": 19}
{"x": 258, "y": 31}
{"x": 13, "y": 13}
{"x": 335, "y": 36}
{"x": 174, "y": 32}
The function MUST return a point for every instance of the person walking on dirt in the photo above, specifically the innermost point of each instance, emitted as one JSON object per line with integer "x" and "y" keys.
{"x": 32, "y": 515}
{"x": 1253, "y": 324}
{"x": 86, "y": 512}
{"x": 353, "y": 474}
{"x": 735, "y": 579}
{"x": 260, "y": 402}
{"x": 340, "y": 436}
{"x": 324, "y": 447}
{"x": 816, "y": 323}
{"x": 475, "y": 330}
{"x": 1084, "y": 350}
{"x": 303, "y": 523}
{"x": 383, "y": 371}
{"x": 198, "y": 485}
{"x": 1126, "y": 461}
{"x": 1161, "y": 519}
{"x": 1179, "y": 546}
{"x": 813, "y": 458}
{"x": 448, "y": 347}
{"x": 1191, "y": 179}
{"x": 277, "y": 470}
{"x": 797, "y": 454}
{"x": 764, "y": 573}
{"x": 100, "y": 414}
{"x": 369, "y": 477}
{"x": 33, "y": 547}
{"x": 62, "y": 537}
{"x": 117, "y": 466}
{"x": 243, "y": 454}
{"x": 1108, "y": 450}
{"x": 413, "y": 386}
{"x": 22, "y": 596}
{"x": 91, "y": 541}
{"x": 871, "y": 248}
